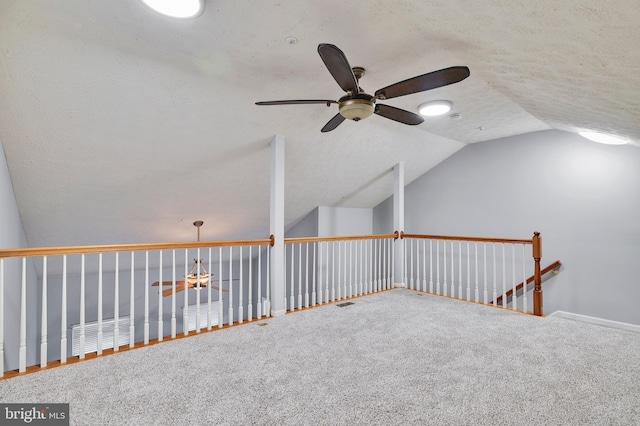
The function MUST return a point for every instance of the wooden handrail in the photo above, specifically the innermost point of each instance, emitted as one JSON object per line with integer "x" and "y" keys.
{"x": 343, "y": 238}
{"x": 519, "y": 287}
{"x": 463, "y": 238}
{"x": 50, "y": 251}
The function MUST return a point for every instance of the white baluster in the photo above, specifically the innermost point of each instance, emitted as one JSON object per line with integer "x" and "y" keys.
{"x": 340, "y": 270}
{"x": 404, "y": 250}
{"x": 351, "y": 269}
{"x": 83, "y": 306}
{"x": 453, "y": 276}
{"x": 385, "y": 263}
{"x": 292, "y": 304}
{"x": 486, "y": 283}
{"x": 468, "y": 271}
{"x": 437, "y": 266}
{"x": 504, "y": 278}
{"x": 313, "y": 291}
{"x": 43, "y": 326}
{"x": 2, "y": 317}
{"x": 240, "y": 291}
{"x": 374, "y": 269}
{"x": 209, "y": 285}
{"x": 306, "y": 275}
{"x": 268, "y": 310}
{"x": 250, "y": 295}
{"x": 525, "y": 306}
{"x": 63, "y": 313}
{"x": 379, "y": 265}
{"x": 185, "y": 304}
{"x": 367, "y": 266}
{"x": 174, "y": 321}
{"x": 430, "y": 266}
{"x": 333, "y": 270}
{"x": 477, "y": 293}
{"x": 459, "y": 269}
{"x": 424, "y": 265}
{"x": 198, "y": 288}
{"x": 22, "y": 362}
{"x": 513, "y": 277}
{"x": 445, "y": 285}
{"x": 230, "y": 320}
{"x": 411, "y": 270}
{"x": 320, "y": 276}
{"x": 160, "y": 323}
{"x": 146, "y": 298}
{"x": 495, "y": 275}
{"x": 99, "y": 340}
{"x": 259, "y": 302}
{"x": 300, "y": 276}
{"x": 116, "y": 305}
{"x": 393, "y": 263}
{"x": 361, "y": 290}
{"x": 132, "y": 316}
{"x": 220, "y": 304}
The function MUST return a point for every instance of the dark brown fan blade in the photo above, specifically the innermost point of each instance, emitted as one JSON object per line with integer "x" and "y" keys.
{"x": 424, "y": 82}
{"x": 399, "y": 115}
{"x": 298, "y": 102}
{"x": 337, "y": 64}
{"x": 333, "y": 123}
{"x": 178, "y": 283}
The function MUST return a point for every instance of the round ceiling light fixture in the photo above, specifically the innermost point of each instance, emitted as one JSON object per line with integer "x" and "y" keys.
{"x": 603, "y": 138}
{"x": 435, "y": 108}
{"x": 180, "y": 9}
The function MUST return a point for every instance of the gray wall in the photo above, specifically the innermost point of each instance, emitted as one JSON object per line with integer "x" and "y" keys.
{"x": 582, "y": 196}
{"x": 12, "y": 236}
{"x": 341, "y": 221}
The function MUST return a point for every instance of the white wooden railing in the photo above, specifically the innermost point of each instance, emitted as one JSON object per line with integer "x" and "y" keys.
{"x": 326, "y": 269}
{"x": 479, "y": 269}
{"x": 86, "y": 287}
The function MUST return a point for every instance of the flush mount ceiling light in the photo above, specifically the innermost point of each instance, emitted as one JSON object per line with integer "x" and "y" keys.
{"x": 435, "y": 108}
{"x": 181, "y": 9}
{"x": 603, "y": 138}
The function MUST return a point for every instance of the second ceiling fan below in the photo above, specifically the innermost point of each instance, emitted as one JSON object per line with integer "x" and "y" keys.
{"x": 357, "y": 105}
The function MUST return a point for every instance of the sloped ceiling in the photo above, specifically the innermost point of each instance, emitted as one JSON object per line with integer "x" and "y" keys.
{"x": 123, "y": 126}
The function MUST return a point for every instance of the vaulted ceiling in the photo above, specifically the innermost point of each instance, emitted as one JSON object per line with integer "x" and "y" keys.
{"x": 123, "y": 126}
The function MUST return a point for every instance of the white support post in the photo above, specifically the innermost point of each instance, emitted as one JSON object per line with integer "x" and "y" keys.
{"x": 398, "y": 224}
{"x": 277, "y": 278}
{"x": 22, "y": 357}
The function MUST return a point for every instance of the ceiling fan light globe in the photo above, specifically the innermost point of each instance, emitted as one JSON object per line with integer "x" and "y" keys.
{"x": 356, "y": 109}
{"x": 180, "y": 9}
{"x": 435, "y": 108}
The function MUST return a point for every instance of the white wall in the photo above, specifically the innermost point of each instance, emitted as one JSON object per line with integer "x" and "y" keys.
{"x": 582, "y": 196}
{"x": 341, "y": 221}
{"x": 12, "y": 236}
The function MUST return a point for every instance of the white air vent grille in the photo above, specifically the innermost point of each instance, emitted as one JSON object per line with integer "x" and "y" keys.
{"x": 91, "y": 335}
{"x": 193, "y": 309}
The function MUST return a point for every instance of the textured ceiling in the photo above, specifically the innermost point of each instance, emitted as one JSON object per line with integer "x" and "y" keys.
{"x": 123, "y": 126}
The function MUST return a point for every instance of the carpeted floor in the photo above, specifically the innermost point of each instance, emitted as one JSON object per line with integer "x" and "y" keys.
{"x": 398, "y": 357}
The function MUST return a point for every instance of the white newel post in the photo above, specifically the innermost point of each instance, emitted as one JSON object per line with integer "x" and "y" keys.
{"x": 398, "y": 224}
{"x": 277, "y": 279}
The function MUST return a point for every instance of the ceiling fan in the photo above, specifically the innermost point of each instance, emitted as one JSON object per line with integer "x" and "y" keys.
{"x": 357, "y": 105}
{"x": 195, "y": 274}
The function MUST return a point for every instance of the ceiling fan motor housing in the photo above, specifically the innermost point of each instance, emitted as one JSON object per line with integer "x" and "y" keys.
{"x": 356, "y": 107}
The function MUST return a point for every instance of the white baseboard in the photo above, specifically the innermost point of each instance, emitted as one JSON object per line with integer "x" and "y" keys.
{"x": 597, "y": 321}
{"x": 399, "y": 285}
